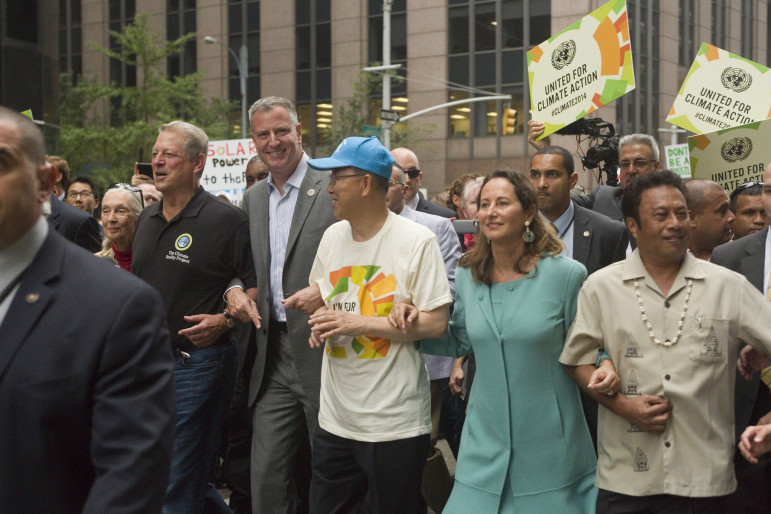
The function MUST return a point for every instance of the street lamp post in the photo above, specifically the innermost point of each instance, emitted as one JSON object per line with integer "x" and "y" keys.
{"x": 242, "y": 62}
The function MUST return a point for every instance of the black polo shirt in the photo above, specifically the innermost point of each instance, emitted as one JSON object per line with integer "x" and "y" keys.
{"x": 191, "y": 259}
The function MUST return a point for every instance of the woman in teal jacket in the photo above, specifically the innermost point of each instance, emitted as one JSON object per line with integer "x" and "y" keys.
{"x": 525, "y": 445}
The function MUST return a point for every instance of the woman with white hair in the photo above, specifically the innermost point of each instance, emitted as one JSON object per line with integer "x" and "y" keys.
{"x": 121, "y": 206}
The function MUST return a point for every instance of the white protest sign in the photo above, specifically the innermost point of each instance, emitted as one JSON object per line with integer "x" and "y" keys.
{"x": 677, "y": 159}
{"x": 225, "y": 166}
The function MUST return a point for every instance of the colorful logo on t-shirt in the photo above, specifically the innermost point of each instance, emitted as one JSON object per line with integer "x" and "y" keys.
{"x": 183, "y": 242}
{"x": 373, "y": 294}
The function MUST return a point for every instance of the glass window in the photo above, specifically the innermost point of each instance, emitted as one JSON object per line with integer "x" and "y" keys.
{"x": 253, "y": 15}
{"x": 484, "y": 69}
{"x": 513, "y": 66}
{"x": 459, "y": 69}
{"x": 458, "y": 30}
{"x": 485, "y": 27}
{"x": 24, "y": 15}
{"x": 303, "y": 47}
{"x": 459, "y": 115}
{"x": 322, "y": 11}
{"x": 512, "y": 23}
{"x": 323, "y": 45}
{"x": 303, "y": 86}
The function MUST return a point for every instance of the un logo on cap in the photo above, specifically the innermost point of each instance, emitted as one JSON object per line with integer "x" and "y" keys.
{"x": 183, "y": 242}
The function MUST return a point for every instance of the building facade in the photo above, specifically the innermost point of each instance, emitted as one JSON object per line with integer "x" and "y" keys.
{"x": 312, "y": 51}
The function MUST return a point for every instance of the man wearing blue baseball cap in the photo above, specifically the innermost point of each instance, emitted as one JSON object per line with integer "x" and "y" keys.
{"x": 374, "y": 419}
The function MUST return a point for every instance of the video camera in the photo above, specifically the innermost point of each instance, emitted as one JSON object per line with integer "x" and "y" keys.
{"x": 606, "y": 150}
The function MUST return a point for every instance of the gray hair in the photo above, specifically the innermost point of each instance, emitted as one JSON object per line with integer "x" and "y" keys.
{"x": 640, "y": 139}
{"x": 196, "y": 140}
{"x": 269, "y": 103}
{"x": 400, "y": 173}
{"x": 471, "y": 183}
{"x": 135, "y": 203}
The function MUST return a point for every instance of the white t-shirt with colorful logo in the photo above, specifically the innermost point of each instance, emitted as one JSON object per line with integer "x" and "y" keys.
{"x": 375, "y": 389}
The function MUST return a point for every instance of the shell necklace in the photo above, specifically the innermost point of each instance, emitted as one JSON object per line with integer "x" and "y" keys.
{"x": 652, "y": 335}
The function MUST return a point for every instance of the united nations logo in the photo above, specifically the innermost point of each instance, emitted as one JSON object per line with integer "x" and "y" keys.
{"x": 736, "y": 79}
{"x": 183, "y": 242}
{"x": 737, "y": 149}
{"x": 563, "y": 54}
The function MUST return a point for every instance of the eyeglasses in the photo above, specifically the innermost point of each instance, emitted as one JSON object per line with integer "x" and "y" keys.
{"x": 76, "y": 194}
{"x": 393, "y": 183}
{"x": 129, "y": 187}
{"x": 412, "y": 173}
{"x": 334, "y": 178}
{"x": 638, "y": 163}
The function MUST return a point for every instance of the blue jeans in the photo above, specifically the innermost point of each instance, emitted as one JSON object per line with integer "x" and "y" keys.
{"x": 204, "y": 384}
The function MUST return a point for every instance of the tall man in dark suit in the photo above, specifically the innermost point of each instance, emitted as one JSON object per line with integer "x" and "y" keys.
{"x": 589, "y": 237}
{"x": 86, "y": 413}
{"x": 752, "y": 400}
{"x": 288, "y": 213}
{"x": 408, "y": 161}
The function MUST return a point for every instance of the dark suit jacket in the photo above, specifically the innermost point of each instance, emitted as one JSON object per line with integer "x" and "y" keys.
{"x": 746, "y": 256}
{"x": 86, "y": 389}
{"x": 75, "y": 225}
{"x": 432, "y": 208}
{"x": 312, "y": 215}
{"x": 597, "y": 239}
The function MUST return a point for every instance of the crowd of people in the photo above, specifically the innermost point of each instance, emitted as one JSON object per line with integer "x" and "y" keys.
{"x": 603, "y": 352}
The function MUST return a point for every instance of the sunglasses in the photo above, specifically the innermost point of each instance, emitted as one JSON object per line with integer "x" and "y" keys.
{"x": 412, "y": 173}
{"x": 128, "y": 187}
{"x": 743, "y": 187}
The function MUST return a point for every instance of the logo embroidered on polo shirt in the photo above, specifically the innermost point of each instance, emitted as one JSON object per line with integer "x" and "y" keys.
{"x": 711, "y": 348}
{"x": 632, "y": 350}
{"x": 183, "y": 242}
{"x": 640, "y": 461}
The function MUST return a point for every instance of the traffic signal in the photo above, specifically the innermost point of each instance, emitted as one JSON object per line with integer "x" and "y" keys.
{"x": 509, "y": 121}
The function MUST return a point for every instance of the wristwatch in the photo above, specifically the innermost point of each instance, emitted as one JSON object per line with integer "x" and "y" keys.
{"x": 229, "y": 321}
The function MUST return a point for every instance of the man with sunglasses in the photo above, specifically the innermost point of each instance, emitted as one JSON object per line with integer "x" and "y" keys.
{"x": 408, "y": 161}
{"x": 752, "y": 400}
{"x": 747, "y": 206}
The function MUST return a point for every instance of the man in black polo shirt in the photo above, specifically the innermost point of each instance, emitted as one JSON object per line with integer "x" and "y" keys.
{"x": 189, "y": 246}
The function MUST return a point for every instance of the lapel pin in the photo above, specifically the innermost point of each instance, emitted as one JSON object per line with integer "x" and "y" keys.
{"x": 32, "y": 297}
{"x": 586, "y": 233}
{"x": 311, "y": 192}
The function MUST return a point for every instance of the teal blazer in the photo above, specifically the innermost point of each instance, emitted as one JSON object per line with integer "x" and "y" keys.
{"x": 524, "y": 420}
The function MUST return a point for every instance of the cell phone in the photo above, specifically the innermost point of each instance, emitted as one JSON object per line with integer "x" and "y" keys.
{"x": 466, "y": 226}
{"x": 145, "y": 168}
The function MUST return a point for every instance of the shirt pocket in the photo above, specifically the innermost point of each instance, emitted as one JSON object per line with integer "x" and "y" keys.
{"x": 707, "y": 339}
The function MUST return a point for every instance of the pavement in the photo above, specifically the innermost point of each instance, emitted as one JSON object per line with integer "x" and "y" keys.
{"x": 449, "y": 459}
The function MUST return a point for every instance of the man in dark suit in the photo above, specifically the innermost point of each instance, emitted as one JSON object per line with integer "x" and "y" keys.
{"x": 752, "y": 400}
{"x": 75, "y": 225}
{"x": 408, "y": 161}
{"x": 288, "y": 213}
{"x": 589, "y": 237}
{"x": 86, "y": 402}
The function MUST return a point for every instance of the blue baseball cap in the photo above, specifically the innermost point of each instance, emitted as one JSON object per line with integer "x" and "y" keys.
{"x": 366, "y": 153}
